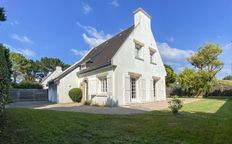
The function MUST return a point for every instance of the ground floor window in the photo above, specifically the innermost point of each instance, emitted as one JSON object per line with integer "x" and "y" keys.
{"x": 154, "y": 88}
{"x": 133, "y": 87}
{"x": 104, "y": 84}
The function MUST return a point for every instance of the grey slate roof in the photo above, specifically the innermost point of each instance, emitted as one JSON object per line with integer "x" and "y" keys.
{"x": 101, "y": 55}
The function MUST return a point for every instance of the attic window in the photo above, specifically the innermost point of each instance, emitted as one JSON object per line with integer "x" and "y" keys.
{"x": 138, "y": 51}
{"x": 152, "y": 55}
{"x": 83, "y": 66}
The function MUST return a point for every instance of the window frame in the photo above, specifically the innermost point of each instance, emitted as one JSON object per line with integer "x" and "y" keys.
{"x": 133, "y": 88}
{"x": 138, "y": 51}
{"x": 104, "y": 88}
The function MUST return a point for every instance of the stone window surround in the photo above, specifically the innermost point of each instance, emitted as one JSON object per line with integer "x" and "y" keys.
{"x": 102, "y": 76}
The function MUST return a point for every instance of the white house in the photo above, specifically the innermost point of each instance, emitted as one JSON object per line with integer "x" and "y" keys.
{"x": 51, "y": 76}
{"x": 125, "y": 69}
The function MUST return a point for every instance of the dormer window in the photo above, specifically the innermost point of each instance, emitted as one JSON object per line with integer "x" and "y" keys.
{"x": 152, "y": 56}
{"x": 138, "y": 49}
{"x": 83, "y": 66}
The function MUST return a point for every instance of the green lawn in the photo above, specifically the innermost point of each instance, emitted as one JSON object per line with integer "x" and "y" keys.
{"x": 205, "y": 121}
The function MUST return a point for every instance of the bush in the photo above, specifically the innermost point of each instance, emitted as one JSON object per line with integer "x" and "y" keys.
{"x": 175, "y": 104}
{"x": 5, "y": 73}
{"x": 75, "y": 94}
{"x": 26, "y": 85}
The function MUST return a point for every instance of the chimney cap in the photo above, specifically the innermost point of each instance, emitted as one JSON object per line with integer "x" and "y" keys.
{"x": 58, "y": 68}
{"x": 143, "y": 11}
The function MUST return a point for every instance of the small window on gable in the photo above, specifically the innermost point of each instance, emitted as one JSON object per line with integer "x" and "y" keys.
{"x": 83, "y": 66}
{"x": 138, "y": 51}
{"x": 152, "y": 56}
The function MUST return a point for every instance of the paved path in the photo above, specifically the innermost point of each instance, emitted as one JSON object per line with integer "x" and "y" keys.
{"x": 75, "y": 107}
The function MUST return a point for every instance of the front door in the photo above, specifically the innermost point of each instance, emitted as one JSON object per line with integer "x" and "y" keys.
{"x": 133, "y": 93}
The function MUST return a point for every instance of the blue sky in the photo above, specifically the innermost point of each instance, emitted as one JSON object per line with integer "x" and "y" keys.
{"x": 67, "y": 29}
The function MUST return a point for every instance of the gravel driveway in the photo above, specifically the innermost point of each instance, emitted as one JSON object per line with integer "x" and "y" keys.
{"x": 75, "y": 107}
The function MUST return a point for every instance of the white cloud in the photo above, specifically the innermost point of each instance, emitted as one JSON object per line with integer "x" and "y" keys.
{"x": 25, "y": 52}
{"x": 86, "y": 8}
{"x": 114, "y": 3}
{"x": 80, "y": 53}
{"x": 170, "y": 54}
{"x": 227, "y": 46}
{"x": 14, "y": 22}
{"x": 23, "y": 39}
{"x": 171, "y": 39}
{"x": 28, "y": 52}
{"x": 93, "y": 37}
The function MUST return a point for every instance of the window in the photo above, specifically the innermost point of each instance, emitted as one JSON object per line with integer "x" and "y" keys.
{"x": 82, "y": 66}
{"x": 133, "y": 87}
{"x": 154, "y": 88}
{"x": 104, "y": 84}
{"x": 152, "y": 54}
{"x": 138, "y": 51}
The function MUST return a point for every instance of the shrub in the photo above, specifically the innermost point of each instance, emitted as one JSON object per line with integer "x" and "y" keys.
{"x": 5, "y": 73}
{"x": 175, "y": 104}
{"x": 88, "y": 102}
{"x": 26, "y": 85}
{"x": 75, "y": 94}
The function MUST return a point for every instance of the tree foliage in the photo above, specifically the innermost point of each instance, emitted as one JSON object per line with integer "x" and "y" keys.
{"x": 200, "y": 80}
{"x": 229, "y": 77}
{"x": 19, "y": 65}
{"x": 207, "y": 58}
{"x": 5, "y": 73}
{"x": 171, "y": 75}
{"x": 25, "y": 69}
{"x": 49, "y": 64}
{"x": 2, "y": 14}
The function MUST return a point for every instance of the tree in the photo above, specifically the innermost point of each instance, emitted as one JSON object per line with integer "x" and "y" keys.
{"x": 200, "y": 80}
{"x": 49, "y": 64}
{"x": 2, "y": 14}
{"x": 186, "y": 80}
{"x": 29, "y": 70}
{"x": 5, "y": 74}
{"x": 19, "y": 64}
{"x": 207, "y": 58}
{"x": 229, "y": 77}
{"x": 171, "y": 75}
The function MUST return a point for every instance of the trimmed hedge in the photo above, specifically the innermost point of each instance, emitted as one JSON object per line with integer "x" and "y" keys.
{"x": 26, "y": 85}
{"x": 75, "y": 94}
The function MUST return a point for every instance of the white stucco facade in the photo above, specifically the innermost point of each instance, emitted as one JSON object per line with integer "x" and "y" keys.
{"x": 50, "y": 76}
{"x": 129, "y": 78}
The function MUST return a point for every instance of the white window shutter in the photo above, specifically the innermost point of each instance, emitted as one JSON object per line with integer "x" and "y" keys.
{"x": 127, "y": 89}
{"x": 109, "y": 85}
{"x": 151, "y": 90}
{"x": 142, "y": 89}
{"x": 98, "y": 86}
{"x": 92, "y": 87}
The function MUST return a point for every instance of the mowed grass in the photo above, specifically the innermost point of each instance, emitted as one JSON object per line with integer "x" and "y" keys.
{"x": 205, "y": 121}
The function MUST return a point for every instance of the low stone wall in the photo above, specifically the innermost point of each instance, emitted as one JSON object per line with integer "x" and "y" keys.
{"x": 29, "y": 95}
